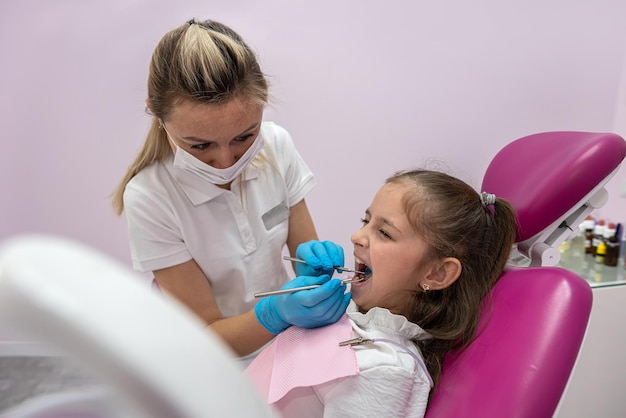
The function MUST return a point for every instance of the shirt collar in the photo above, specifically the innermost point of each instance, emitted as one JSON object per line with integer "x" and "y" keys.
{"x": 383, "y": 318}
{"x": 198, "y": 190}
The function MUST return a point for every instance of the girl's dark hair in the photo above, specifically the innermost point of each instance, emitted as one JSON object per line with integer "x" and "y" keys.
{"x": 451, "y": 217}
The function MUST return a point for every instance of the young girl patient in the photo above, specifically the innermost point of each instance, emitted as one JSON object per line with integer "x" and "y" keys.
{"x": 435, "y": 247}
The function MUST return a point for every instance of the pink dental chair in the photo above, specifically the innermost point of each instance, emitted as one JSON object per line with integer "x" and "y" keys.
{"x": 532, "y": 327}
{"x": 535, "y": 319}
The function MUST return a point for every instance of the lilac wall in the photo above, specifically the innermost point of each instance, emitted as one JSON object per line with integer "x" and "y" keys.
{"x": 364, "y": 88}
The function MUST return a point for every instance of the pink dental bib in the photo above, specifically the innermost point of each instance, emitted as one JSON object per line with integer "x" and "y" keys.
{"x": 301, "y": 357}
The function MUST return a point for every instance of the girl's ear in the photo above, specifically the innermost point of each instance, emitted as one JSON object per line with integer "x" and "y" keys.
{"x": 443, "y": 273}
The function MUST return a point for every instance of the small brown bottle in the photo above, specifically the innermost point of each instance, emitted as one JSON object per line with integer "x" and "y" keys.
{"x": 612, "y": 245}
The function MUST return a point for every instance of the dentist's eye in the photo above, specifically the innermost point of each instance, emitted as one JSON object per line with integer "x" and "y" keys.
{"x": 244, "y": 138}
{"x": 364, "y": 221}
{"x": 384, "y": 233}
{"x": 201, "y": 147}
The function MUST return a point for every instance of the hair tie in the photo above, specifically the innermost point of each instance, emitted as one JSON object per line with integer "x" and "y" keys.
{"x": 192, "y": 21}
{"x": 487, "y": 199}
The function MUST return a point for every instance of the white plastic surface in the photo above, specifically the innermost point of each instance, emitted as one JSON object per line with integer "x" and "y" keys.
{"x": 149, "y": 348}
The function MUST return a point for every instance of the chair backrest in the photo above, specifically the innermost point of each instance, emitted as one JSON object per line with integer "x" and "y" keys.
{"x": 553, "y": 180}
{"x": 535, "y": 318}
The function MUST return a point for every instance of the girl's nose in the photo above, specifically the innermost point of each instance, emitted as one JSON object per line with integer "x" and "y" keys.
{"x": 358, "y": 238}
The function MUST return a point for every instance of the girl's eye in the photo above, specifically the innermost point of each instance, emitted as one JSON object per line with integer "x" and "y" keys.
{"x": 380, "y": 231}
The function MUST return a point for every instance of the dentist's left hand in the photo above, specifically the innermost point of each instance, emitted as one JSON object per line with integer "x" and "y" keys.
{"x": 305, "y": 308}
{"x": 321, "y": 258}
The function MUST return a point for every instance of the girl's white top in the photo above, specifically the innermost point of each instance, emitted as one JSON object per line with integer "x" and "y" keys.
{"x": 390, "y": 383}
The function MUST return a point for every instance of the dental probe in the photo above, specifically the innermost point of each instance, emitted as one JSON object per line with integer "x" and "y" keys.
{"x": 354, "y": 279}
{"x": 339, "y": 269}
{"x": 296, "y": 289}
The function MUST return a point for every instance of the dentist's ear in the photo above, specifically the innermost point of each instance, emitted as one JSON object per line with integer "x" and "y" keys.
{"x": 443, "y": 273}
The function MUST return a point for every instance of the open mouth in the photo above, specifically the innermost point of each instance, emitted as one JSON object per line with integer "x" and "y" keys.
{"x": 364, "y": 268}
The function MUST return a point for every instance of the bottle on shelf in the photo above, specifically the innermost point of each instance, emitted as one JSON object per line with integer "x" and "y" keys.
{"x": 588, "y": 224}
{"x": 598, "y": 235}
{"x": 600, "y": 252}
{"x": 612, "y": 243}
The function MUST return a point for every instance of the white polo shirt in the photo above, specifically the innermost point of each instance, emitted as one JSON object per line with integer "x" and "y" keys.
{"x": 236, "y": 236}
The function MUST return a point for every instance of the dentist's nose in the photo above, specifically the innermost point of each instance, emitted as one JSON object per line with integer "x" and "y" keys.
{"x": 223, "y": 158}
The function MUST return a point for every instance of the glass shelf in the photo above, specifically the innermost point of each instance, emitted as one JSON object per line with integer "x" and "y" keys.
{"x": 573, "y": 258}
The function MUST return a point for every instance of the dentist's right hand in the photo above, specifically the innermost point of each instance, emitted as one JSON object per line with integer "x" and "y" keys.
{"x": 305, "y": 308}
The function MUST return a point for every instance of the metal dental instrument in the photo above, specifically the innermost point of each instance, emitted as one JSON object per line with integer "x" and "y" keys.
{"x": 296, "y": 289}
{"x": 313, "y": 286}
{"x": 339, "y": 269}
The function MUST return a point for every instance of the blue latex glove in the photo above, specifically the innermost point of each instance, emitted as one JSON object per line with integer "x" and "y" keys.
{"x": 321, "y": 258}
{"x": 306, "y": 308}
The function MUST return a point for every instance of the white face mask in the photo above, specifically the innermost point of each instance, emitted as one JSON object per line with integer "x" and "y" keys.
{"x": 187, "y": 162}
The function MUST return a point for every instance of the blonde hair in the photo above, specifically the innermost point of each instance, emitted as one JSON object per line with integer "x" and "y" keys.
{"x": 202, "y": 62}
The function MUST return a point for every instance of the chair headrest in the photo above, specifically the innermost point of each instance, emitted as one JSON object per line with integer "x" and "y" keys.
{"x": 553, "y": 180}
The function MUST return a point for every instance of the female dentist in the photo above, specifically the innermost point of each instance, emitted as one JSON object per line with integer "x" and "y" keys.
{"x": 215, "y": 193}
